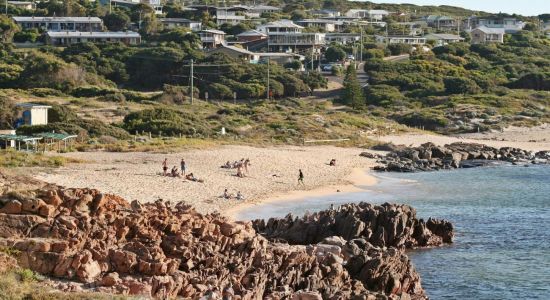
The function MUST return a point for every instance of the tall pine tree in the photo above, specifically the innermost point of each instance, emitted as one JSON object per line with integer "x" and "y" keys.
{"x": 353, "y": 93}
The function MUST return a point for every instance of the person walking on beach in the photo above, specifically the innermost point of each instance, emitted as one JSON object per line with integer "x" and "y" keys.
{"x": 182, "y": 165}
{"x": 165, "y": 166}
{"x": 246, "y": 164}
{"x": 301, "y": 177}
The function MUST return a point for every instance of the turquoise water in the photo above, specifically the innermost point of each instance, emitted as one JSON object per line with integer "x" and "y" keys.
{"x": 502, "y": 222}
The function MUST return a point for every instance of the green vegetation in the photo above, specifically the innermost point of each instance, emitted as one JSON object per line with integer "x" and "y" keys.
{"x": 461, "y": 87}
{"x": 14, "y": 159}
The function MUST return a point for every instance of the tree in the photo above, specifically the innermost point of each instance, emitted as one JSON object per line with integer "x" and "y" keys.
{"x": 116, "y": 21}
{"x": 460, "y": 85}
{"x": 314, "y": 80}
{"x": 334, "y": 53}
{"x": 353, "y": 93}
{"x": 398, "y": 49}
{"x": 8, "y": 28}
{"x": 294, "y": 65}
{"x": 8, "y": 113}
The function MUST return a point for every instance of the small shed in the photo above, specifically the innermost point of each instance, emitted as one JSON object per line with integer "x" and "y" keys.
{"x": 33, "y": 114}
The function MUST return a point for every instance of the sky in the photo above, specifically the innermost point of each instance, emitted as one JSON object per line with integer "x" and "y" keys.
{"x": 522, "y": 7}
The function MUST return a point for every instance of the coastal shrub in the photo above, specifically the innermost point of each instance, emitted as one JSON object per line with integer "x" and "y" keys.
{"x": 91, "y": 91}
{"x": 382, "y": 95}
{"x": 45, "y": 92}
{"x": 166, "y": 122}
{"x": 429, "y": 119}
{"x": 398, "y": 49}
{"x": 460, "y": 85}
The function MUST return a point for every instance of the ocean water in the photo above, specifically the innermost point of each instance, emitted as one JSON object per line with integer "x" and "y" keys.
{"x": 502, "y": 222}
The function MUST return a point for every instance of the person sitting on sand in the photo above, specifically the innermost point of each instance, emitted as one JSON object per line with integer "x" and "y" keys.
{"x": 165, "y": 167}
{"x": 227, "y": 165}
{"x": 192, "y": 177}
{"x": 332, "y": 162}
{"x": 174, "y": 172}
{"x": 240, "y": 196}
{"x": 226, "y": 194}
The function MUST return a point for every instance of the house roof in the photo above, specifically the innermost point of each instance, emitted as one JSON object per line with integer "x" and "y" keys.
{"x": 282, "y": 23}
{"x": 61, "y": 19}
{"x": 233, "y": 48}
{"x": 327, "y": 21}
{"x": 30, "y": 105}
{"x": 214, "y": 31}
{"x": 486, "y": 29}
{"x": 252, "y": 32}
{"x": 177, "y": 20}
{"x": 443, "y": 36}
{"x": 94, "y": 34}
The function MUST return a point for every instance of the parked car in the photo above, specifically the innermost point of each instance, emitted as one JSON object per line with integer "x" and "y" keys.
{"x": 327, "y": 68}
{"x": 351, "y": 57}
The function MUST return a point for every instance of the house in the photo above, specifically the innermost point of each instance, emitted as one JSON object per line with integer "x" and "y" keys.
{"x": 414, "y": 28}
{"x": 401, "y": 39}
{"x": 230, "y": 15}
{"x": 211, "y": 38}
{"x": 546, "y": 26}
{"x": 155, "y": 4}
{"x": 294, "y": 41}
{"x": 342, "y": 38}
{"x": 28, "y": 5}
{"x": 484, "y": 34}
{"x": 60, "y": 23}
{"x": 510, "y": 25}
{"x": 373, "y": 14}
{"x": 250, "y": 36}
{"x": 281, "y": 26}
{"x": 181, "y": 23}
{"x": 32, "y": 114}
{"x": 236, "y": 52}
{"x": 256, "y": 11}
{"x": 320, "y": 13}
{"x": 279, "y": 58}
{"x": 62, "y": 38}
{"x": 442, "y": 39}
{"x": 322, "y": 24}
{"x": 441, "y": 22}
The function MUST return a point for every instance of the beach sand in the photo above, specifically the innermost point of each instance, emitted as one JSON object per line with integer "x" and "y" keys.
{"x": 532, "y": 139}
{"x": 137, "y": 175}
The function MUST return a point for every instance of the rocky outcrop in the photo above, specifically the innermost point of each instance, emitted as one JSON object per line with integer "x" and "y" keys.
{"x": 429, "y": 157}
{"x": 84, "y": 239}
{"x": 386, "y": 225}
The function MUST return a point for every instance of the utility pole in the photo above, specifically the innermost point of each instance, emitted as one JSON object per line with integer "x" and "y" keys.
{"x": 6, "y": 7}
{"x": 268, "y": 67}
{"x": 110, "y": 7}
{"x": 312, "y": 47}
{"x": 191, "y": 78}
{"x": 361, "y": 57}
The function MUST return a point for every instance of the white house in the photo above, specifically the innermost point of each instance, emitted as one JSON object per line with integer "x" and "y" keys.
{"x": 32, "y": 114}
{"x": 441, "y": 22}
{"x": 484, "y": 34}
{"x": 181, "y": 22}
{"x": 281, "y": 26}
{"x": 212, "y": 38}
{"x": 324, "y": 24}
{"x": 510, "y": 25}
{"x": 62, "y": 38}
{"x": 372, "y": 14}
{"x": 60, "y": 23}
{"x": 342, "y": 38}
{"x": 401, "y": 39}
{"x": 29, "y": 5}
{"x": 285, "y": 36}
{"x": 442, "y": 39}
{"x": 230, "y": 15}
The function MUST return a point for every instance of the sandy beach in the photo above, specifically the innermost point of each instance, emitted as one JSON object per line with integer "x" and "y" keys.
{"x": 532, "y": 139}
{"x": 137, "y": 175}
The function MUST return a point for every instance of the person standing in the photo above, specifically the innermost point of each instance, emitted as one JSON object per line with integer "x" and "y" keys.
{"x": 301, "y": 177}
{"x": 165, "y": 166}
{"x": 246, "y": 164}
{"x": 182, "y": 165}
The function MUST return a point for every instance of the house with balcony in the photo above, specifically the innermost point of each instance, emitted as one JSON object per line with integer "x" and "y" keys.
{"x": 442, "y": 39}
{"x": 401, "y": 39}
{"x": 256, "y": 11}
{"x": 484, "y": 34}
{"x": 65, "y": 38}
{"x": 510, "y": 25}
{"x": 369, "y": 14}
{"x": 155, "y": 4}
{"x": 342, "y": 38}
{"x": 324, "y": 25}
{"x": 211, "y": 38}
{"x": 441, "y": 22}
{"x": 230, "y": 15}
{"x": 60, "y": 23}
{"x": 286, "y": 36}
{"x": 172, "y": 23}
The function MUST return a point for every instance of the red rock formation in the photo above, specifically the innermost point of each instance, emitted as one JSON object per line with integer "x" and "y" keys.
{"x": 105, "y": 244}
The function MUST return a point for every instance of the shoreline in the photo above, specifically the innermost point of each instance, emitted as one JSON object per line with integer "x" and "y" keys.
{"x": 358, "y": 177}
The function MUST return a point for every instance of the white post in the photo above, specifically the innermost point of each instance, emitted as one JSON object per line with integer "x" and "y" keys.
{"x": 192, "y": 89}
